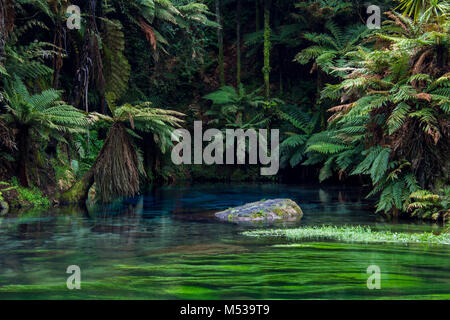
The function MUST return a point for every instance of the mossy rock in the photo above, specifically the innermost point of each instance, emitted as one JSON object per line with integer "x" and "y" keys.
{"x": 268, "y": 210}
{"x": 4, "y": 207}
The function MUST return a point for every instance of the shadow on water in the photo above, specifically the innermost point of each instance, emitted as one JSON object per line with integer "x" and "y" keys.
{"x": 167, "y": 244}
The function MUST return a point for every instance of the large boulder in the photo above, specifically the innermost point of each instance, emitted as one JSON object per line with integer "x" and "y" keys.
{"x": 268, "y": 210}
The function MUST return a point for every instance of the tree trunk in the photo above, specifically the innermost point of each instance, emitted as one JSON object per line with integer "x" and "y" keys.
{"x": 266, "y": 68}
{"x": 238, "y": 42}
{"x": 257, "y": 14}
{"x": 115, "y": 171}
{"x": 23, "y": 151}
{"x": 58, "y": 56}
{"x": 322, "y": 110}
{"x": 150, "y": 150}
{"x": 280, "y": 65}
{"x": 2, "y": 33}
{"x": 79, "y": 192}
{"x": 220, "y": 43}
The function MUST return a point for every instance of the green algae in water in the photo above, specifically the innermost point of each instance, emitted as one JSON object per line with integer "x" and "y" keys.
{"x": 128, "y": 256}
{"x": 353, "y": 234}
{"x": 270, "y": 272}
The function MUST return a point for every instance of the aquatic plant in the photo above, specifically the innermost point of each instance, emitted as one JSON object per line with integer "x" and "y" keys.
{"x": 352, "y": 234}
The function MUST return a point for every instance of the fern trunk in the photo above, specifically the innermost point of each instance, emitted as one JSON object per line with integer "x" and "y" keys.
{"x": 115, "y": 171}
{"x": 2, "y": 33}
{"x": 58, "y": 57}
{"x": 267, "y": 45}
{"x": 238, "y": 42}
{"x": 220, "y": 43}
{"x": 24, "y": 149}
{"x": 257, "y": 16}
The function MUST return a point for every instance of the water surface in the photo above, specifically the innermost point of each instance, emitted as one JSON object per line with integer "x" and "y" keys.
{"x": 167, "y": 244}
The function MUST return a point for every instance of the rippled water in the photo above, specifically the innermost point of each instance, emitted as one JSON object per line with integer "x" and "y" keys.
{"x": 168, "y": 245}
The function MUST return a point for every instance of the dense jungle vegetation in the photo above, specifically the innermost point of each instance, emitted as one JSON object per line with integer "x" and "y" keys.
{"x": 96, "y": 106}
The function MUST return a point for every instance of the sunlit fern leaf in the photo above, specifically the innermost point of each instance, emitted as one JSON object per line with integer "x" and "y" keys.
{"x": 364, "y": 166}
{"x": 397, "y": 117}
{"x": 327, "y": 170}
{"x": 41, "y": 112}
{"x": 296, "y": 117}
{"x": 116, "y": 67}
{"x": 327, "y": 148}
{"x": 380, "y": 165}
{"x": 296, "y": 157}
{"x": 293, "y": 141}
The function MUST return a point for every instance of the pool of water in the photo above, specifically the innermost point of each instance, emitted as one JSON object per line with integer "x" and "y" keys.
{"x": 167, "y": 244}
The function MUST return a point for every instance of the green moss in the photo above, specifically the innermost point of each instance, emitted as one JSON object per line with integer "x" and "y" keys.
{"x": 29, "y": 196}
{"x": 352, "y": 234}
{"x": 280, "y": 212}
{"x": 79, "y": 191}
{"x": 258, "y": 214}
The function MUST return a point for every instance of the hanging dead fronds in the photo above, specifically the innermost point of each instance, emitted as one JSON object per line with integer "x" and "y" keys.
{"x": 149, "y": 33}
{"x": 117, "y": 169}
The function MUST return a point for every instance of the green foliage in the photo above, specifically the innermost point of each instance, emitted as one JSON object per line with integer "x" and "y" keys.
{"x": 87, "y": 151}
{"x": 26, "y": 61}
{"x": 407, "y": 103}
{"x": 148, "y": 14}
{"x": 236, "y": 108}
{"x": 388, "y": 95}
{"x": 119, "y": 164}
{"x": 116, "y": 66}
{"x": 429, "y": 205}
{"x": 5, "y": 187}
{"x": 143, "y": 118}
{"x": 44, "y": 113}
{"x": 330, "y": 50}
{"x": 29, "y": 196}
{"x": 424, "y": 8}
{"x": 293, "y": 146}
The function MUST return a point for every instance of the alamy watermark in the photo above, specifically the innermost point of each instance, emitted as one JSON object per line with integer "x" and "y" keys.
{"x": 374, "y": 20}
{"x": 251, "y": 142}
{"x": 374, "y": 280}
{"x": 74, "y": 17}
{"x": 74, "y": 280}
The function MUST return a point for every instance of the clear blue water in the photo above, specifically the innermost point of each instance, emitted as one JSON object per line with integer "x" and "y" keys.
{"x": 167, "y": 244}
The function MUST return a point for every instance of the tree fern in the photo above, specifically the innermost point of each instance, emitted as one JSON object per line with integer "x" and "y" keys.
{"x": 116, "y": 66}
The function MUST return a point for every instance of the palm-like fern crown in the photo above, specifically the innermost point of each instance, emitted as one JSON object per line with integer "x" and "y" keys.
{"x": 178, "y": 14}
{"x": 301, "y": 126}
{"x": 231, "y": 106}
{"x": 232, "y": 100}
{"x": 424, "y": 9}
{"x": 43, "y": 112}
{"x": 27, "y": 60}
{"x": 143, "y": 118}
{"x": 329, "y": 49}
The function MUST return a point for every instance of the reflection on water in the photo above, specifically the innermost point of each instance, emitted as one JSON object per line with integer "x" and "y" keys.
{"x": 168, "y": 245}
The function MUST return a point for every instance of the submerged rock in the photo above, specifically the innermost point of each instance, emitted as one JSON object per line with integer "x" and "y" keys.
{"x": 268, "y": 210}
{"x": 4, "y": 207}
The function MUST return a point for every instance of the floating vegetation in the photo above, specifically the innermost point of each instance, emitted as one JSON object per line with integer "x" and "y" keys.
{"x": 352, "y": 234}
